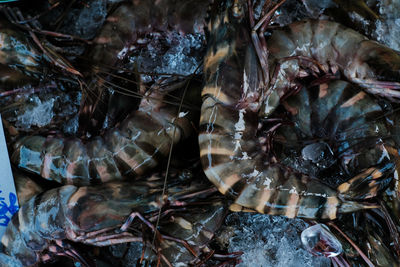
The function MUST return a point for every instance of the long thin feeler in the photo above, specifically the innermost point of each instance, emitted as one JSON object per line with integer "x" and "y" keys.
{"x": 362, "y": 254}
{"x": 169, "y": 158}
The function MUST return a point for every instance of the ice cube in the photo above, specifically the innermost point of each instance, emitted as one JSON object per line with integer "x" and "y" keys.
{"x": 319, "y": 241}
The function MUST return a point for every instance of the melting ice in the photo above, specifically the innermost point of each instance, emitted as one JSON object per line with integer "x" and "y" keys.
{"x": 270, "y": 241}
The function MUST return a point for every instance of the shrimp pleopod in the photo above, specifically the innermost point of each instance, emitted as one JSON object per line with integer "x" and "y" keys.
{"x": 333, "y": 130}
{"x": 230, "y": 148}
{"x": 130, "y": 149}
{"x": 299, "y": 45}
{"x": 103, "y": 215}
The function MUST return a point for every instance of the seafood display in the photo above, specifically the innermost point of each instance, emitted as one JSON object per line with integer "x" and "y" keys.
{"x": 230, "y": 152}
{"x": 97, "y": 215}
{"x": 128, "y": 28}
{"x": 140, "y": 141}
{"x": 286, "y": 111}
{"x": 296, "y": 47}
{"x": 131, "y": 22}
{"x": 197, "y": 228}
{"x": 130, "y": 149}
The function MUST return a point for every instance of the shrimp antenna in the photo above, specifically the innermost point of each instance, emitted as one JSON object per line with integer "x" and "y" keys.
{"x": 170, "y": 154}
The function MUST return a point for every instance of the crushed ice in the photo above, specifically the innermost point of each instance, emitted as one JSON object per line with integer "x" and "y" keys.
{"x": 319, "y": 240}
{"x": 40, "y": 110}
{"x": 270, "y": 241}
{"x": 388, "y": 27}
{"x": 181, "y": 57}
{"x": 38, "y": 114}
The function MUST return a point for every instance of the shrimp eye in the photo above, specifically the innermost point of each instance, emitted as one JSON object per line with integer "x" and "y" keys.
{"x": 238, "y": 9}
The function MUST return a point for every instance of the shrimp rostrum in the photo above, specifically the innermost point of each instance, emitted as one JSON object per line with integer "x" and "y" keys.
{"x": 94, "y": 215}
{"x": 230, "y": 145}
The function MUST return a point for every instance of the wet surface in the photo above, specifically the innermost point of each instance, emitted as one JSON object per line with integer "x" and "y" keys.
{"x": 269, "y": 241}
{"x": 264, "y": 240}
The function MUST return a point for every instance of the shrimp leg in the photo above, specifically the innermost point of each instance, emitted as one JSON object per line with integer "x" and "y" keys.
{"x": 230, "y": 151}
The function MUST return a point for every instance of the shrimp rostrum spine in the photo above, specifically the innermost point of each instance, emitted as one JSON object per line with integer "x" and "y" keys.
{"x": 231, "y": 154}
